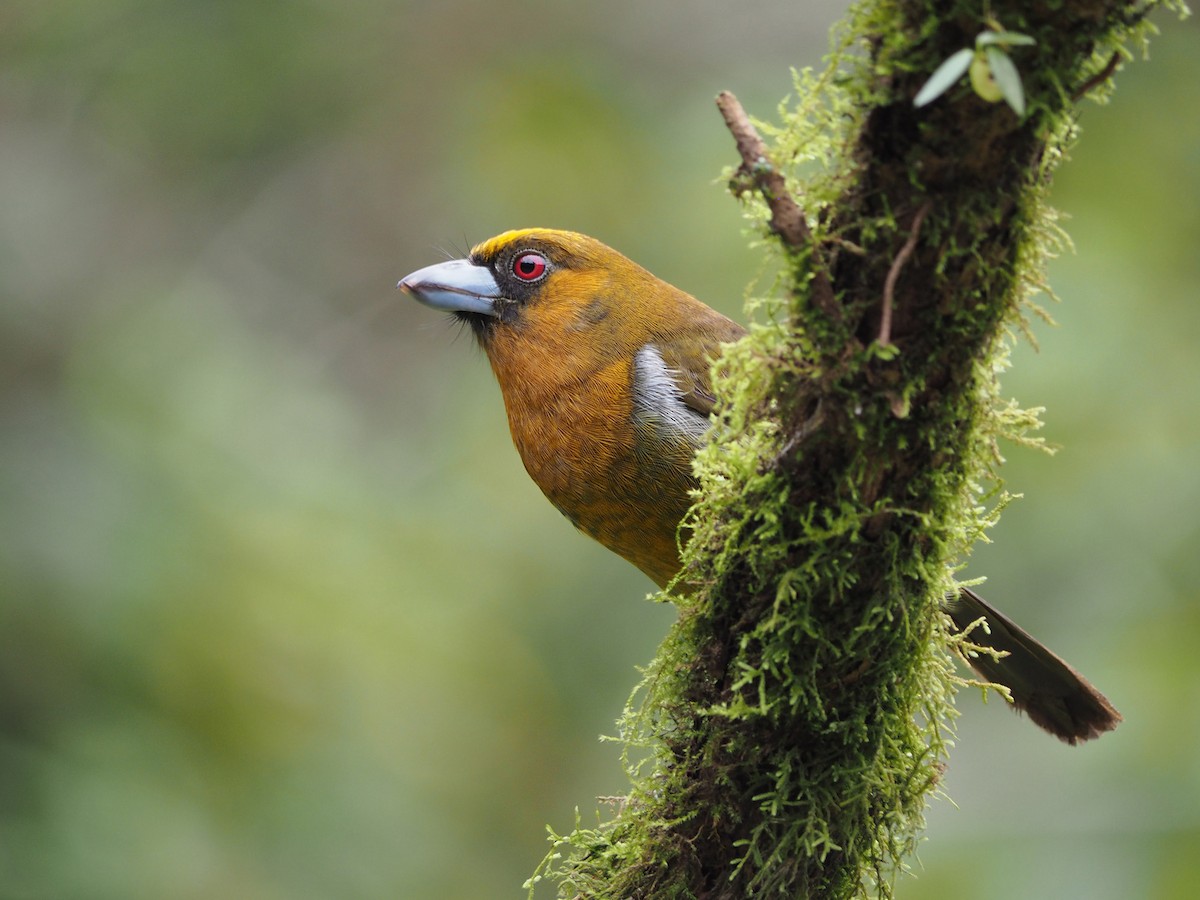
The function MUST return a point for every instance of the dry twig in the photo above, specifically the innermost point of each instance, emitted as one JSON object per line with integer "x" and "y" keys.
{"x": 787, "y": 218}
{"x": 889, "y": 284}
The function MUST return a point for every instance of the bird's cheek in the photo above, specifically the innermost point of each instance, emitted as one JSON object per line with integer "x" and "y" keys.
{"x": 593, "y": 316}
{"x": 508, "y": 313}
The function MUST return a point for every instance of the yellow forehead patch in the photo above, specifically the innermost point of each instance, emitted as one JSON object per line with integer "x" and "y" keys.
{"x": 571, "y": 242}
{"x": 493, "y": 246}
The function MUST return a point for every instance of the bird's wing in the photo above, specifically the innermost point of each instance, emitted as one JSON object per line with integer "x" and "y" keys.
{"x": 666, "y": 402}
{"x": 672, "y": 383}
{"x": 689, "y": 358}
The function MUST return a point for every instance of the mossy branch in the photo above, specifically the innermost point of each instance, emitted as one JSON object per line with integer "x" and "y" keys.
{"x": 793, "y": 726}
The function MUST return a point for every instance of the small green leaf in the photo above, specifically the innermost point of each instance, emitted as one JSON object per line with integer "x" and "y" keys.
{"x": 1004, "y": 39}
{"x": 883, "y": 352}
{"x": 944, "y": 77}
{"x": 1007, "y": 78}
{"x": 982, "y": 81}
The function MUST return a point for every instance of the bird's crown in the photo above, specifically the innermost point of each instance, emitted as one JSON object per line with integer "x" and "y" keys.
{"x": 564, "y": 247}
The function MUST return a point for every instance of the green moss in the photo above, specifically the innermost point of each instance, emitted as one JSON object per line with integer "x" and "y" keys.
{"x": 796, "y": 721}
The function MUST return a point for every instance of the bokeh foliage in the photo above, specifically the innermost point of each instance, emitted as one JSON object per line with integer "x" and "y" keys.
{"x": 280, "y": 614}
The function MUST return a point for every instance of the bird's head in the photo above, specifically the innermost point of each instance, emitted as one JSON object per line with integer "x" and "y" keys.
{"x": 553, "y": 287}
{"x": 553, "y": 309}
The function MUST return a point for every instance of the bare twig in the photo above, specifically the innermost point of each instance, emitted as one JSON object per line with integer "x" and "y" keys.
{"x": 889, "y": 284}
{"x": 787, "y": 218}
{"x": 1099, "y": 78}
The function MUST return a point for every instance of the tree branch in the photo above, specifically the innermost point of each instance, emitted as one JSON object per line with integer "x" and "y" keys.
{"x": 794, "y": 719}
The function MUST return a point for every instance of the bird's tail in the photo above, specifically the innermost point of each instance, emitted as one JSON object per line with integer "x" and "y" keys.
{"x": 1055, "y": 696}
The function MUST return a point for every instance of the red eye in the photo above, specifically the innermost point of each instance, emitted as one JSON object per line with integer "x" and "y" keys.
{"x": 529, "y": 266}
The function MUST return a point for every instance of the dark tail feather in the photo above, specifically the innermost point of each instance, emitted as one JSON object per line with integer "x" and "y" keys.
{"x": 1055, "y": 696}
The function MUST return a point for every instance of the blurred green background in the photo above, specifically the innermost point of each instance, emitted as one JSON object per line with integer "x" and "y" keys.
{"x": 281, "y": 615}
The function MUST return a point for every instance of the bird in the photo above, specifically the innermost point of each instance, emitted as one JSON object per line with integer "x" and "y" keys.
{"x": 604, "y": 370}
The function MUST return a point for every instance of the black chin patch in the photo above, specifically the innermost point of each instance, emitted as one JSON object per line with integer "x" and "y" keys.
{"x": 481, "y": 325}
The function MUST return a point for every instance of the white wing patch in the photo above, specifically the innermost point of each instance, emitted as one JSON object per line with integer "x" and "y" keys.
{"x": 658, "y": 401}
